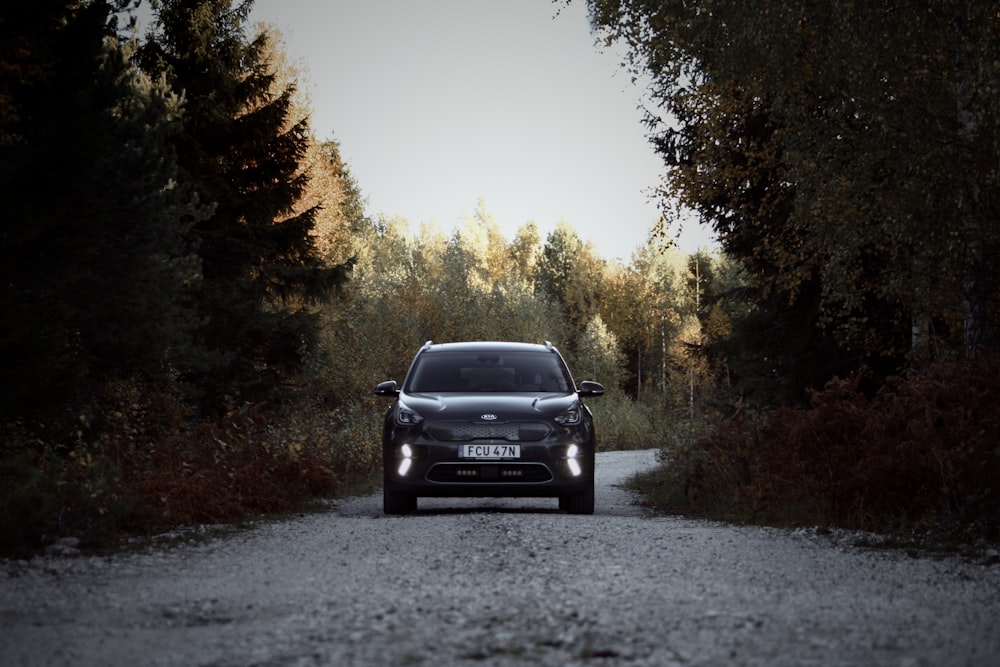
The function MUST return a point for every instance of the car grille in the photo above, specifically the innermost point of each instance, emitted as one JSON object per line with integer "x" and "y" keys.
{"x": 457, "y": 431}
{"x": 490, "y": 473}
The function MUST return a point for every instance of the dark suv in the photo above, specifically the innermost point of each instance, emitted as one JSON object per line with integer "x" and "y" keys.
{"x": 488, "y": 419}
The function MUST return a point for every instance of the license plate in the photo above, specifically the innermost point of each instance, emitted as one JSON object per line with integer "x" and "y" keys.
{"x": 489, "y": 451}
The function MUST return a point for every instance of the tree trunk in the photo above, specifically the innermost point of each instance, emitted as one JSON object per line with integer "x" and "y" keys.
{"x": 970, "y": 224}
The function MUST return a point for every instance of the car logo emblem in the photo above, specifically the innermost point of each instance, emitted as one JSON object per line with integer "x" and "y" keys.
{"x": 488, "y": 417}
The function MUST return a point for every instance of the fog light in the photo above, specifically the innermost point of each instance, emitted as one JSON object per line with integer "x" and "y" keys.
{"x": 407, "y": 462}
{"x": 574, "y": 466}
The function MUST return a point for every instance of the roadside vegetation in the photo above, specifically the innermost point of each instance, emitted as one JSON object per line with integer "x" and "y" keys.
{"x": 918, "y": 459}
{"x": 845, "y": 154}
{"x": 198, "y": 306}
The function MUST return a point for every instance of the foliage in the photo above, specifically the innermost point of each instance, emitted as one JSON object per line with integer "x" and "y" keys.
{"x": 94, "y": 261}
{"x": 844, "y": 152}
{"x": 598, "y": 356}
{"x": 227, "y": 470}
{"x": 238, "y": 150}
{"x": 50, "y": 493}
{"x": 920, "y": 454}
{"x": 135, "y": 461}
{"x": 102, "y": 222}
{"x": 217, "y": 235}
{"x": 622, "y": 423}
{"x": 570, "y": 274}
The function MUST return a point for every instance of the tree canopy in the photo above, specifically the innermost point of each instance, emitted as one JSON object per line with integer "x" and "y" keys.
{"x": 842, "y": 149}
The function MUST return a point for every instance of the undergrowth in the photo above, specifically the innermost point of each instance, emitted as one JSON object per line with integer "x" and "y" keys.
{"x": 920, "y": 456}
{"x": 138, "y": 462}
{"x": 623, "y": 424}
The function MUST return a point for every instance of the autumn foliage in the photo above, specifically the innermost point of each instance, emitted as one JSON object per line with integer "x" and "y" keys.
{"x": 197, "y": 305}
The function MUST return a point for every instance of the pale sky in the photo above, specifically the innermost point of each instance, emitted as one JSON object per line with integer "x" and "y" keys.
{"x": 438, "y": 103}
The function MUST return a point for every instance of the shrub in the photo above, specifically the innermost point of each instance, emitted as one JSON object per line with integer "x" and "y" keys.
{"x": 623, "y": 424}
{"x": 923, "y": 452}
{"x": 47, "y": 492}
{"x": 135, "y": 459}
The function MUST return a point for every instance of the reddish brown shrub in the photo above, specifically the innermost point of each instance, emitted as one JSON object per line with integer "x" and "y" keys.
{"x": 924, "y": 450}
{"x": 226, "y": 471}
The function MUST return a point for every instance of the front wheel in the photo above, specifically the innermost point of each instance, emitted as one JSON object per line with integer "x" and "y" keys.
{"x": 398, "y": 503}
{"x": 579, "y": 503}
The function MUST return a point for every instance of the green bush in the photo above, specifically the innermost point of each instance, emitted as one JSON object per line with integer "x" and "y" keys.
{"x": 623, "y": 424}
{"x": 48, "y": 494}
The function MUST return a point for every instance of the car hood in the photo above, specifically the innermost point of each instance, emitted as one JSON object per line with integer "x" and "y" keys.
{"x": 489, "y": 406}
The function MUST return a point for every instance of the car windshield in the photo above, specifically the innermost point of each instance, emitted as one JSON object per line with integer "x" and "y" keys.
{"x": 488, "y": 371}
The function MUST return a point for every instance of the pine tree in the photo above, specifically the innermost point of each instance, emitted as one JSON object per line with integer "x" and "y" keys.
{"x": 93, "y": 259}
{"x": 260, "y": 266}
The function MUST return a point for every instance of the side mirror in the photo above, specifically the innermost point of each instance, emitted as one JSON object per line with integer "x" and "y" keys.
{"x": 387, "y": 388}
{"x": 589, "y": 388}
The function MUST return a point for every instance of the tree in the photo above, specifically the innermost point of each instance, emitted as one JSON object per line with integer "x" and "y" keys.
{"x": 523, "y": 253}
{"x": 337, "y": 199}
{"x": 259, "y": 259}
{"x": 569, "y": 273}
{"x": 840, "y": 150}
{"x": 331, "y": 191}
{"x": 626, "y": 309}
{"x": 598, "y": 356}
{"x": 94, "y": 260}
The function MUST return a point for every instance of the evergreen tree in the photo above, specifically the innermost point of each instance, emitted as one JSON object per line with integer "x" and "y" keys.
{"x": 239, "y": 151}
{"x": 93, "y": 259}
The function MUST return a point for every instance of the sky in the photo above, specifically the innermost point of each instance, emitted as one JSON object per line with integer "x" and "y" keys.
{"x": 438, "y": 104}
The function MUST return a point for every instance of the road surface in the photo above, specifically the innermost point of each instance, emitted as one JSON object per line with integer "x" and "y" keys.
{"x": 503, "y": 582}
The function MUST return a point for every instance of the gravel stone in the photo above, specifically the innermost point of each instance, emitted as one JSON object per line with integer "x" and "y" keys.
{"x": 503, "y": 582}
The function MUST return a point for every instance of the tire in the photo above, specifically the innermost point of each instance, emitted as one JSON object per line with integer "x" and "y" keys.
{"x": 398, "y": 503}
{"x": 579, "y": 503}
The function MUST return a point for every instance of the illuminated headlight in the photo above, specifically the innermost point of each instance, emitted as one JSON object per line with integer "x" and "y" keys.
{"x": 574, "y": 466}
{"x": 570, "y": 417}
{"x": 407, "y": 462}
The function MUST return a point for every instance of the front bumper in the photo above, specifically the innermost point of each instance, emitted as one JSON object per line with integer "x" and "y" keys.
{"x": 544, "y": 469}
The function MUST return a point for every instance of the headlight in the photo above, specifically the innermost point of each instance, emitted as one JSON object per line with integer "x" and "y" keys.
{"x": 407, "y": 417}
{"x": 570, "y": 417}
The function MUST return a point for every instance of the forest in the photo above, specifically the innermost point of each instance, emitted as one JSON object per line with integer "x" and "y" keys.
{"x": 198, "y": 306}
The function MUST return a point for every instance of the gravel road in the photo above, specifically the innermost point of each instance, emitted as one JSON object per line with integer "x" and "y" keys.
{"x": 503, "y": 582}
